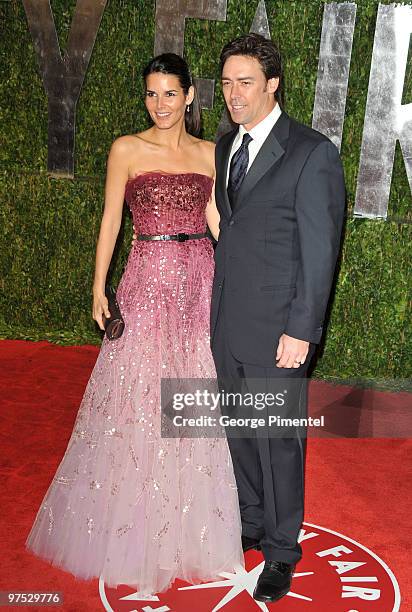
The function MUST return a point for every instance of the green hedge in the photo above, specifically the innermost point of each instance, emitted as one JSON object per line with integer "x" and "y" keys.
{"x": 50, "y": 226}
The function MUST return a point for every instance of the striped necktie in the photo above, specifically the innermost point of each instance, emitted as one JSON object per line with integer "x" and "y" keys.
{"x": 238, "y": 168}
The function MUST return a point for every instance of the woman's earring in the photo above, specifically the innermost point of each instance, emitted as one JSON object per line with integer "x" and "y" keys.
{"x": 188, "y": 108}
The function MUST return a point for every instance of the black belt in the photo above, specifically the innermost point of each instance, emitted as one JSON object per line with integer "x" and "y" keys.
{"x": 179, "y": 237}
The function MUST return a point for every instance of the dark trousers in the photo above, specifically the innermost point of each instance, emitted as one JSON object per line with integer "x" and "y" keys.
{"x": 269, "y": 469}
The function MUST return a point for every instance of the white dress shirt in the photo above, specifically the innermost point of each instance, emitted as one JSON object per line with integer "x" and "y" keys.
{"x": 259, "y": 133}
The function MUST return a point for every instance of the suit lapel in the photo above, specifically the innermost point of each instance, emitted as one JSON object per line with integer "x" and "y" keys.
{"x": 270, "y": 152}
{"x": 222, "y": 160}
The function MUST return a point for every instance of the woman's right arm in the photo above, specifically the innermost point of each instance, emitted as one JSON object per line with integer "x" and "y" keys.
{"x": 116, "y": 178}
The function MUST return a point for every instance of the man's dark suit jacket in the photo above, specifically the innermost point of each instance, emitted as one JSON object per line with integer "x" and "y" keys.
{"x": 276, "y": 254}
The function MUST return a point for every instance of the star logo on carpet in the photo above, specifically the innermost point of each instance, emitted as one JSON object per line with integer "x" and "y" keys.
{"x": 243, "y": 580}
{"x": 336, "y": 573}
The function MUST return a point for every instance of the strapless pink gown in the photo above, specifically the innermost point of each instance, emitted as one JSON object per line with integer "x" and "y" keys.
{"x": 126, "y": 504}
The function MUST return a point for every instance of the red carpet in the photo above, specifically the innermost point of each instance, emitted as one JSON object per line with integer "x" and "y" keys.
{"x": 356, "y": 487}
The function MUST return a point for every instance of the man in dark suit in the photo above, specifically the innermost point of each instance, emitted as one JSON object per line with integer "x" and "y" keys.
{"x": 280, "y": 194}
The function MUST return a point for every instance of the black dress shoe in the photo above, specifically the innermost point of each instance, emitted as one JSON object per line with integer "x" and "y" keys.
{"x": 274, "y": 582}
{"x": 249, "y": 543}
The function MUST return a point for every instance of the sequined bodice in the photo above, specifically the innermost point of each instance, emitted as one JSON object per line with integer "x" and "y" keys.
{"x": 163, "y": 203}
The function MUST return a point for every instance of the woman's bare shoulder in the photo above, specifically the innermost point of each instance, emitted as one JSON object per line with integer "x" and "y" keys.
{"x": 208, "y": 149}
{"x": 129, "y": 142}
{"x": 121, "y": 145}
{"x": 206, "y": 144}
{"x": 209, "y": 145}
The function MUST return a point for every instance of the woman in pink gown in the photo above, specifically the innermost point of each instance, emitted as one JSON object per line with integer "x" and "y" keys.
{"x": 125, "y": 503}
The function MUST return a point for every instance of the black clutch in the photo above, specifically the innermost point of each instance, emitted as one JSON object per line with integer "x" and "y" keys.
{"x": 114, "y": 325}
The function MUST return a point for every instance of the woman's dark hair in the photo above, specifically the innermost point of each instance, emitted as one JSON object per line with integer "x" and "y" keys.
{"x": 262, "y": 49}
{"x": 171, "y": 63}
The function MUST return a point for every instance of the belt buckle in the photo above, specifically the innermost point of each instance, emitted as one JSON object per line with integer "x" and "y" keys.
{"x": 182, "y": 237}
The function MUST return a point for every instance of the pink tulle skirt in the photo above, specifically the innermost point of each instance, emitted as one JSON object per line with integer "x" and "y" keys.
{"x": 125, "y": 503}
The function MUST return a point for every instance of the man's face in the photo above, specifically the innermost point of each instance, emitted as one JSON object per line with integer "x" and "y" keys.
{"x": 248, "y": 95}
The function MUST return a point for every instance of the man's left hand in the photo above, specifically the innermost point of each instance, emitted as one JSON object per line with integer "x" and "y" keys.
{"x": 291, "y": 352}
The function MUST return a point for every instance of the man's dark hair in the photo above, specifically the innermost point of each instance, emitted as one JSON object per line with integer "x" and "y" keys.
{"x": 262, "y": 49}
